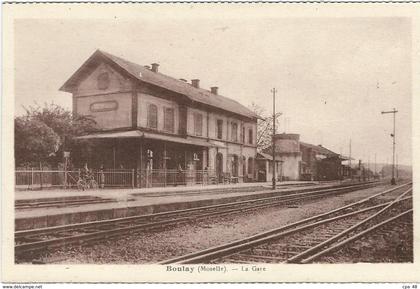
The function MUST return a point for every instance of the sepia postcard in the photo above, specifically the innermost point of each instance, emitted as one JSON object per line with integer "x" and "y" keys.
{"x": 210, "y": 142}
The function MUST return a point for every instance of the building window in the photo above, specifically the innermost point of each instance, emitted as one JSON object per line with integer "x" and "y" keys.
{"x": 169, "y": 119}
{"x": 243, "y": 165}
{"x": 198, "y": 124}
{"x": 243, "y": 134}
{"x": 235, "y": 165}
{"x": 103, "y": 81}
{"x": 250, "y": 136}
{"x": 234, "y": 131}
{"x": 152, "y": 116}
{"x": 219, "y": 127}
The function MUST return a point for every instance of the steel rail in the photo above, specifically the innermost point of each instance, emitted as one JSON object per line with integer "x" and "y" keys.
{"x": 247, "y": 243}
{"x": 318, "y": 247}
{"x": 265, "y": 236}
{"x": 100, "y": 233}
{"x": 282, "y": 198}
{"x": 37, "y": 245}
{"x": 47, "y": 204}
{"x": 354, "y": 238}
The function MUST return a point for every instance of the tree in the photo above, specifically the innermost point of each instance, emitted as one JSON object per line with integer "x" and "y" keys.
{"x": 264, "y": 126}
{"x": 63, "y": 123}
{"x": 35, "y": 142}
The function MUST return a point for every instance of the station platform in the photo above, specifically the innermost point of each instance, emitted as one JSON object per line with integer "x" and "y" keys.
{"x": 58, "y": 207}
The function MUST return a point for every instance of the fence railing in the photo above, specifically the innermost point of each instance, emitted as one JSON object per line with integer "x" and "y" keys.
{"x": 162, "y": 178}
{"x": 38, "y": 179}
{"x": 115, "y": 178}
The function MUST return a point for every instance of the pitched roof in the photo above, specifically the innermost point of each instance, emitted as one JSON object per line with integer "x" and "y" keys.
{"x": 144, "y": 74}
{"x": 319, "y": 149}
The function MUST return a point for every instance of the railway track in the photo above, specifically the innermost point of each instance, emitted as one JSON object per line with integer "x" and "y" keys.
{"x": 395, "y": 237}
{"x": 61, "y": 202}
{"x": 307, "y": 240}
{"x": 29, "y": 243}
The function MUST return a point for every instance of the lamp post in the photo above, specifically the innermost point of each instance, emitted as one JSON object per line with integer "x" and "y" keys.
{"x": 393, "y": 111}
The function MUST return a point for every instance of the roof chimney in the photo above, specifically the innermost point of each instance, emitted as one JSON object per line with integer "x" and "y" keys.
{"x": 214, "y": 89}
{"x": 195, "y": 83}
{"x": 155, "y": 67}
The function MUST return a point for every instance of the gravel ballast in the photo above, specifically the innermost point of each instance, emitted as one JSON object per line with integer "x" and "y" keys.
{"x": 151, "y": 247}
{"x": 392, "y": 244}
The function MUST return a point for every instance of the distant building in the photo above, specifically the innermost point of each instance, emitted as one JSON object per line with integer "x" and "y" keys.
{"x": 296, "y": 160}
{"x": 288, "y": 156}
{"x": 320, "y": 163}
{"x": 151, "y": 122}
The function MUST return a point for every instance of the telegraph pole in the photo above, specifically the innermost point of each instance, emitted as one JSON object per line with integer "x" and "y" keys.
{"x": 375, "y": 165}
{"x": 351, "y": 171}
{"x": 393, "y": 111}
{"x": 272, "y": 139}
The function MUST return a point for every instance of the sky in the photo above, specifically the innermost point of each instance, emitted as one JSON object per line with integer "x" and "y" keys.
{"x": 333, "y": 76}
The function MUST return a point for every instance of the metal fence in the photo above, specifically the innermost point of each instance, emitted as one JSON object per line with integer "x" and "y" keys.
{"x": 115, "y": 178}
{"x": 31, "y": 179}
{"x": 162, "y": 178}
{"x": 38, "y": 179}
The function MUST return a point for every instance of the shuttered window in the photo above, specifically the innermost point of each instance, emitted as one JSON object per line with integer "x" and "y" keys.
{"x": 250, "y": 136}
{"x": 234, "y": 132}
{"x": 152, "y": 116}
{"x": 198, "y": 124}
{"x": 169, "y": 119}
{"x": 219, "y": 128}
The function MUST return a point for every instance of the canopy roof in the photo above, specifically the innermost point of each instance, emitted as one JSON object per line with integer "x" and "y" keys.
{"x": 147, "y": 135}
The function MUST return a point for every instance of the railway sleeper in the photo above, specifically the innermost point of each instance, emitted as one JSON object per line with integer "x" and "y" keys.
{"x": 287, "y": 246}
{"x": 28, "y": 240}
{"x": 266, "y": 252}
{"x": 157, "y": 226}
{"x": 260, "y": 257}
{"x": 234, "y": 261}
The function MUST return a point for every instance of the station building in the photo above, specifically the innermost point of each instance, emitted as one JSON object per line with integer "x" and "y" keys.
{"x": 160, "y": 126}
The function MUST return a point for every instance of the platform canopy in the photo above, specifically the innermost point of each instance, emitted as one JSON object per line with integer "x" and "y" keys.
{"x": 147, "y": 135}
